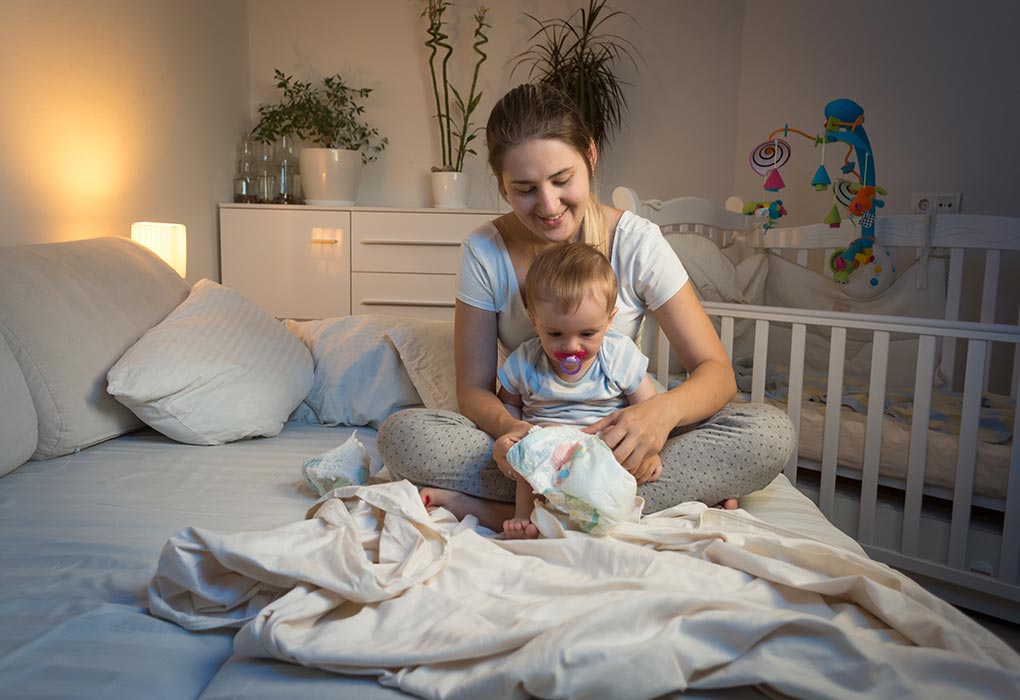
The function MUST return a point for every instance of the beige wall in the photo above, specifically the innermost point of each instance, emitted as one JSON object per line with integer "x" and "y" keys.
{"x": 117, "y": 111}
{"x": 682, "y": 117}
{"x": 937, "y": 81}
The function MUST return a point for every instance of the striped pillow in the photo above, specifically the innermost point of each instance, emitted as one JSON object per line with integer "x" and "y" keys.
{"x": 217, "y": 369}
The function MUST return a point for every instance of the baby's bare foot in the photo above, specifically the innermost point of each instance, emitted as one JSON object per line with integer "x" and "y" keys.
{"x": 490, "y": 514}
{"x": 520, "y": 529}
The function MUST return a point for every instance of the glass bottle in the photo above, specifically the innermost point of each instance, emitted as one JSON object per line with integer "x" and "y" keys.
{"x": 265, "y": 176}
{"x": 245, "y": 182}
{"x": 286, "y": 171}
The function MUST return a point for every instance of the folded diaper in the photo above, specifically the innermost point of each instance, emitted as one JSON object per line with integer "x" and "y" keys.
{"x": 345, "y": 465}
{"x": 579, "y": 477}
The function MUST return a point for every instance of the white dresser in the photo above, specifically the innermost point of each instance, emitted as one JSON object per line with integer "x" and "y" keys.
{"x": 317, "y": 262}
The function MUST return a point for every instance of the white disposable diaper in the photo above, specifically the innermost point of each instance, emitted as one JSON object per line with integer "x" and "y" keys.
{"x": 579, "y": 477}
{"x": 346, "y": 465}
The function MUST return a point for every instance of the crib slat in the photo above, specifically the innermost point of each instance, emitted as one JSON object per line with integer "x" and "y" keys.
{"x": 796, "y": 392}
{"x": 873, "y": 438}
{"x": 727, "y": 336}
{"x": 954, "y": 292}
{"x": 833, "y": 405}
{"x": 760, "y": 365}
{"x": 918, "y": 451}
{"x": 966, "y": 453}
{"x": 989, "y": 292}
{"x": 1016, "y": 370}
{"x": 1009, "y": 554}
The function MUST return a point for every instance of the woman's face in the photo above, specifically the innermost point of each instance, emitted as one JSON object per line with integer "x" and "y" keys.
{"x": 547, "y": 185}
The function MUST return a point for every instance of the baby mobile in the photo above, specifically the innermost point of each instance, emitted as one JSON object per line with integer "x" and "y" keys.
{"x": 864, "y": 266}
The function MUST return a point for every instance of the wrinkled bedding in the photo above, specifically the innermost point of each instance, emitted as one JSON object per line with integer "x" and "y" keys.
{"x": 692, "y": 597}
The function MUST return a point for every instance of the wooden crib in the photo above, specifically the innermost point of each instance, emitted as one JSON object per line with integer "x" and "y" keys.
{"x": 944, "y": 505}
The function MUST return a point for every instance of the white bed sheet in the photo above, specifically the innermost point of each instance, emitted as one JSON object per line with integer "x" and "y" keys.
{"x": 79, "y": 540}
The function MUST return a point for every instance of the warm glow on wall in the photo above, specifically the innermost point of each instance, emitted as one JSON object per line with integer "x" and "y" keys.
{"x": 168, "y": 241}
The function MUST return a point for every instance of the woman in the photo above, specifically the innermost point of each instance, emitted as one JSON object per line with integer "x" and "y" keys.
{"x": 544, "y": 162}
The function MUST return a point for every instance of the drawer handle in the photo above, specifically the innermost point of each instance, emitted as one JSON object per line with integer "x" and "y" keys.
{"x": 325, "y": 241}
{"x": 402, "y": 302}
{"x": 408, "y": 241}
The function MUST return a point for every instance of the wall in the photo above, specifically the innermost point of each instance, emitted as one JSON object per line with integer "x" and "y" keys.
{"x": 678, "y": 133}
{"x": 937, "y": 81}
{"x": 118, "y": 111}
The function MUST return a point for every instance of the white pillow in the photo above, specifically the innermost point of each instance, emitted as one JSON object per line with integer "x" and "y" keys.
{"x": 217, "y": 369}
{"x": 427, "y": 353}
{"x": 359, "y": 379}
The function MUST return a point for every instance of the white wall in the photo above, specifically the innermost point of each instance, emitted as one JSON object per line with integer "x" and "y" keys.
{"x": 140, "y": 104}
{"x": 679, "y": 131}
{"x": 117, "y": 111}
{"x": 937, "y": 81}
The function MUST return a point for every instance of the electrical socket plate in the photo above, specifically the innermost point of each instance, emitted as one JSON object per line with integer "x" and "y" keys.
{"x": 941, "y": 203}
{"x": 947, "y": 203}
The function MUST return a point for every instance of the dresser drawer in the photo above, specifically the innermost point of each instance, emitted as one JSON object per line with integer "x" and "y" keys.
{"x": 293, "y": 263}
{"x": 403, "y": 294}
{"x": 422, "y": 242}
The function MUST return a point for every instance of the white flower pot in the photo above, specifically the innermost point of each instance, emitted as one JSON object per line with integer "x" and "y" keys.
{"x": 450, "y": 190}
{"x": 330, "y": 175}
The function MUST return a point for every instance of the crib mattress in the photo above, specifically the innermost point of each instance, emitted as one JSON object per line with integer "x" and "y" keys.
{"x": 80, "y": 535}
{"x": 991, "y": 468}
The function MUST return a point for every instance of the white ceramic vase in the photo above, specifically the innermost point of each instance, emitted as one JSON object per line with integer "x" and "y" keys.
{"x": 450, "y": 190}
{"x": 330, "y": 176}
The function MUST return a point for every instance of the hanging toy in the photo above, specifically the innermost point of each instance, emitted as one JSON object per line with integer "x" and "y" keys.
{"x": 770, "y": 211}
{"x": 571, "y": 362}
{"x": 821, "y": 179}
{"x": 766, "y": 159}
{"x": 844, "y": 123}
{"x": 833, "y": 219}
{"x": 864, "y": 198}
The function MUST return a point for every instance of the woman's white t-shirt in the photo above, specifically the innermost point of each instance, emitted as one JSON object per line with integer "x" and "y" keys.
{"x": 648, "y": 274}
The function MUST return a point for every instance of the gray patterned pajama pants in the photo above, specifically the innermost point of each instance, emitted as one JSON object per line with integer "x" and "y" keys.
{"x": 740, "y": 449}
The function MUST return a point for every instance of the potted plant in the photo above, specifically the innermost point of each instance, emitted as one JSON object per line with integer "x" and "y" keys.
{"x": 579, "y": 59}
{"x": 329, "y": 117}
{"x": 450, "y": 187}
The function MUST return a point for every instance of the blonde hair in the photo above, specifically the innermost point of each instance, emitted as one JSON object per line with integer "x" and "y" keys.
{"x": 538, "y": 111}
{"x": 568, "y": 273}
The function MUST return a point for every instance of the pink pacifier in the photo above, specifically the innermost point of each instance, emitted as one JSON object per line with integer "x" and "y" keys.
{"x": 570, "y": 362}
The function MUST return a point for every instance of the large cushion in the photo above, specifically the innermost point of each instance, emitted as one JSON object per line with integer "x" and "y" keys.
{"x": 359, "y": 378}
{"x": 68, "y": 311}
{"x": 19, "y": 427}
{"x": 426, "y": 351}
{"x": 217, "y": 369}
{"x": 791, "y": 286}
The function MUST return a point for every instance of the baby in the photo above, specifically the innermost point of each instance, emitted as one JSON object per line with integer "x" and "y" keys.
{"x": 576, "y": 371}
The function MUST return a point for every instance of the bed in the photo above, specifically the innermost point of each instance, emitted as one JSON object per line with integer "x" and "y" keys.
{"x": 907, "y": 405}
{"x": 159, "y": 539}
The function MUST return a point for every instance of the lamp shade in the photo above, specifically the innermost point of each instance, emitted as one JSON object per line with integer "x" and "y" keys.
{"x": 168, "y": 241}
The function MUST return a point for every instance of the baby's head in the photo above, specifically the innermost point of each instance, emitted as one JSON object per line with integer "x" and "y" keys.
{"x": 570, "y": 294}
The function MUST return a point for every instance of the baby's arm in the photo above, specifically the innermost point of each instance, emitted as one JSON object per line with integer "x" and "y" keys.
{"x": 645, "y": 391}
{"x": 512, "y": 402}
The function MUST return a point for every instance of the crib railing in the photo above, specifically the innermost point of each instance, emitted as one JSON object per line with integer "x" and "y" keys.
{"x": 1004, "y": 585}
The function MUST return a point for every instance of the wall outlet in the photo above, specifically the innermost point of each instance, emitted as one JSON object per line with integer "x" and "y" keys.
{"x": 922, "y": 203}
{"x": 941, "y": 203}
{"x": 947, "y": 203}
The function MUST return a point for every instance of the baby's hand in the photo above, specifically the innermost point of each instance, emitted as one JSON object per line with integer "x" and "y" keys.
{"x": 650, "y": 470}
{"x": 503, "y": 445}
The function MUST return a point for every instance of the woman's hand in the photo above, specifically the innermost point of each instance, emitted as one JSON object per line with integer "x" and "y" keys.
{"x": 637, "y": 434}
{"x": 504, "y": 443}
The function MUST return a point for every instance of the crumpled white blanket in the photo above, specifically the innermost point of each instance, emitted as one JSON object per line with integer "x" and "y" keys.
{"x": 689, "y": 597}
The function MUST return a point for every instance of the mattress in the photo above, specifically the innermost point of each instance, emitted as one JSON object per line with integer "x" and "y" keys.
{"x": 79, "y": 539}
